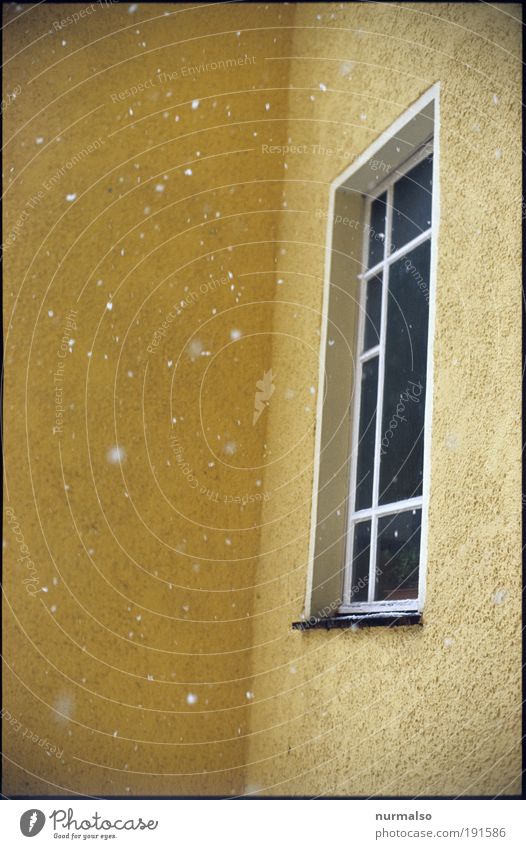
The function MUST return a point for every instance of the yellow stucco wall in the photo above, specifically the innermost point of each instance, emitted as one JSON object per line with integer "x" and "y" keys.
{"x": 404, "y": 711}
{"x": 157, "y": 588}
{"x": 149, "y": 570}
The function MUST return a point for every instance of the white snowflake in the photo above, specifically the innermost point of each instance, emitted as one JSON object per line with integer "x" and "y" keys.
{"x": 116, "y": 454}
{"x": 500, "y": 596}
{"x": 195, "y": 348}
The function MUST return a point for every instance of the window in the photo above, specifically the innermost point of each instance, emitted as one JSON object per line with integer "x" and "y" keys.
{"x": 371, "y": 465}
{"x": 385, "y": 518}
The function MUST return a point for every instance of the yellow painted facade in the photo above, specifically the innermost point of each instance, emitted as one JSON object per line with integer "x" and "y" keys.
{"x": 162, "y": 255}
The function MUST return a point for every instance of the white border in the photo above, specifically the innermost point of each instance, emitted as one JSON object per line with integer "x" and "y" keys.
{"x": 433, "y": 94}
{"x": 430, "y": 383}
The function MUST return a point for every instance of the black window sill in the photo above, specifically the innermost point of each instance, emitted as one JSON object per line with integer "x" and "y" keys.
{"x": 360, "y": 620}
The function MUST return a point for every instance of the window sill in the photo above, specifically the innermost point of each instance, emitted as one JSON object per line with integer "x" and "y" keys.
{"x": 361, "y": 620}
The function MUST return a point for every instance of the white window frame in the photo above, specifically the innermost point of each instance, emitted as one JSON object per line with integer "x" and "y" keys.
{"x": 384, "y": 142}
{"x": 373, "y": 513}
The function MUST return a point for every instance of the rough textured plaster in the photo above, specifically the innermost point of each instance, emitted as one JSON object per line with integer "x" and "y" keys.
{"x": 432, "y": 710}
{"x": 131, "y": 628}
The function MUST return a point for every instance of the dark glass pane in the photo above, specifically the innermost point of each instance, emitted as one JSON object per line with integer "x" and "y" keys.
{"x": 398, "y": 556}
{"x": 360, "y": 561}
{"x": 412, "y": 204}
{"x": 377, "y": 231}
{"x": 373, "y": 308}
{"x": 404, "y": 393}
{"x": 366, "y": 434}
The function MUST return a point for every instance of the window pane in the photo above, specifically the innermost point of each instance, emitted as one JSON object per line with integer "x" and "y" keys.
{"x": 373, "y": 307}
{"x": 366, "y": 434}
{"x": 398, "y": 556}
{"x": 412, "y": 204}
{"x": 377, "y": 230}
{"x": 404, "y": 393}
{"x": 360, "y": 561}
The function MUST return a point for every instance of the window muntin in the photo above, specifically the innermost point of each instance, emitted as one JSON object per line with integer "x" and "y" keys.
{"x": 384, "y": 525}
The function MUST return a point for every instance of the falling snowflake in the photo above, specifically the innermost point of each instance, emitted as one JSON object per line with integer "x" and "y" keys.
{"x": 195, "y": 348}
{"x": 116, "y": 454}
{"x": 500, "y": 596}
